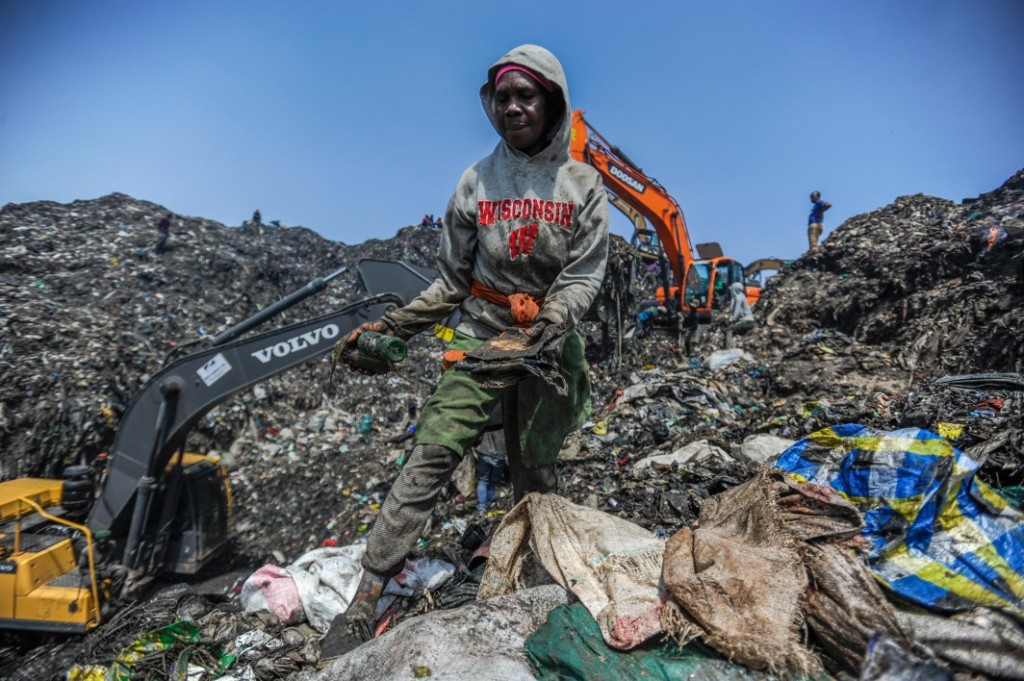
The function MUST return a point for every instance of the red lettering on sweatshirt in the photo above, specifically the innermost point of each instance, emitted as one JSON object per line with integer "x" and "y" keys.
{"x": 564, "y": 217}
{"x": 485, "y": 212}
{"x": 520, "y": 241}
{"x": 549, "y": 211}
{"x": 556, "y": 213}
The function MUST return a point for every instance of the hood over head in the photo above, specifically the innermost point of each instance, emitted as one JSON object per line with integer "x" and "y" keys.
{"x": 541, "y": 61}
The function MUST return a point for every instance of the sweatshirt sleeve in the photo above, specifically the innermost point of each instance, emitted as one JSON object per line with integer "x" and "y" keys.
{"x": 455, "y": 258}
{"x": 574, "y": 290}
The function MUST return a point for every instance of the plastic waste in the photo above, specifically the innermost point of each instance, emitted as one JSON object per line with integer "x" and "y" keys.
{"x": 953, "y": 544}
{"x": 378, "y": 346}
{"x": 721, "y": 358}
{"x": 887, "y": 661}
{"x": 374, "y": 353}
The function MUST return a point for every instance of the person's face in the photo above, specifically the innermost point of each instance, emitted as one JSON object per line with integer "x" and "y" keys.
{"x": 815, "y": 196}
{"x": 521, "y": 112}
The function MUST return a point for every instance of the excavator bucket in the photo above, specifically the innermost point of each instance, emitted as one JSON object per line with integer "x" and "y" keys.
{"x": 764, "y": 264}
{"x": 393, "y": 276}
{"x": 405, "y": 281}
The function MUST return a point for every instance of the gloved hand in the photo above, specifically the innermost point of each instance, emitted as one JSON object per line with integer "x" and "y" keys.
{"x": 536, "y": 330}
{"x": 346, "y": 352}
{"x": 524, "y": 308}
{"x": 377, "y": 326}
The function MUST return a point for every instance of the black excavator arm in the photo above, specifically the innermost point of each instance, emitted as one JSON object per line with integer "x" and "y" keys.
{"x": 158, "y": 507}
{"x": 160, "y": 415}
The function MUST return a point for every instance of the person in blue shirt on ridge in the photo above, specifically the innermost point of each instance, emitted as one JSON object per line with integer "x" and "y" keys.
{"x": 815, "y": 220}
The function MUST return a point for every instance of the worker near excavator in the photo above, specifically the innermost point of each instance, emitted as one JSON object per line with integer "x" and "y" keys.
{"x": 816, "y": 220}
{"x": 524, "y": 243}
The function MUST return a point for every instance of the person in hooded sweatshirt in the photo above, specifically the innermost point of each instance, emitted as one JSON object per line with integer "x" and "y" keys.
{"x": 529, "y": 222}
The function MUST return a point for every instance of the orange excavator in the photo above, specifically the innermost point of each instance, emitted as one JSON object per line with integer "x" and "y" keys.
{"x": 705, "y": 281}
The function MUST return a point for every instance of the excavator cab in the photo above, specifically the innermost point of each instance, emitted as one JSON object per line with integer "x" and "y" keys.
{"x": 698, "y": 286}
{"x": 707, "y": 286}
{"x": 50, "y": 579}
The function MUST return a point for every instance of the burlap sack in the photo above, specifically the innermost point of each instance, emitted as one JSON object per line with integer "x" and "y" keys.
{"x": 610, "y": 564}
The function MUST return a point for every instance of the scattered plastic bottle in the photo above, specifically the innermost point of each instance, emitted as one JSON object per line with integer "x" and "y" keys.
{"x": 388, "y": 348}
{"x": 365, "y": 424}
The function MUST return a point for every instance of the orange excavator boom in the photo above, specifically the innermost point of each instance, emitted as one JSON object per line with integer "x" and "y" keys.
{"x": 635, "y": 193}
{"x": 629, "y": 183}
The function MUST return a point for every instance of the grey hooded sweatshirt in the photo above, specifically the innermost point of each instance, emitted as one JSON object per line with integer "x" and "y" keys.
{"x": 519, "y": 224}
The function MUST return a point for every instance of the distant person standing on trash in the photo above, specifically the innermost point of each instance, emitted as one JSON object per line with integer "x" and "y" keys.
{"x": 815, "y": 221}
{"x": 257, "y": 217}
{"x": 527, "y": 225}
{"x": 163, "y": 233}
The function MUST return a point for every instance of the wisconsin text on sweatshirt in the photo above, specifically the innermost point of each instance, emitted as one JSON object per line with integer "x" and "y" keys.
{"x": 556, "y": 213}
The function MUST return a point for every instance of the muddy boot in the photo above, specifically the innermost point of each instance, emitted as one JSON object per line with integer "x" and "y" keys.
{"x": 356, "y": 625}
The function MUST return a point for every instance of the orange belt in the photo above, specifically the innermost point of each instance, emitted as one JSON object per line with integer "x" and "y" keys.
{"x": 525, "y": 309}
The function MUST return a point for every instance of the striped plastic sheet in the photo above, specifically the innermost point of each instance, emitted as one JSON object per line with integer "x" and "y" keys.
{"x": 938, "y": 536}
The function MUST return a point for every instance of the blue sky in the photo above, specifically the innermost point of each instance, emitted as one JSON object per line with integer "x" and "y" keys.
{"x": 355, "y": 119}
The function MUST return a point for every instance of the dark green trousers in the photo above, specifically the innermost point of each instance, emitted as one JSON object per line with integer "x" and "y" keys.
{"x": 457, "y": 411}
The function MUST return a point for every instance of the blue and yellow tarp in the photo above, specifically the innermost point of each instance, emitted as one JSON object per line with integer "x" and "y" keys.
{"x": 938, "y": 536}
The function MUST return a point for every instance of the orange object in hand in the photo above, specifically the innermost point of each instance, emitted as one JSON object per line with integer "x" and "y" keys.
{"x": 524, "y": 308}
{"x": 451, "y": 357}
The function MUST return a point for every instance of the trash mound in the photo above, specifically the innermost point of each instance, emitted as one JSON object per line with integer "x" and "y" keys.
{"x": 859, "y": 330}
{"x": 175, "y": 633}
{"x": 920, "y": 288}
{"x": 90, "y": 311}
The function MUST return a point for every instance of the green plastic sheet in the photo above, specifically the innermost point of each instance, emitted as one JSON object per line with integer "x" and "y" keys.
{"x": 569, "y": 647}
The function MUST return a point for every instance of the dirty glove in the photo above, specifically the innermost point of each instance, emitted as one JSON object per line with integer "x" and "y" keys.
{"x": 346, "y": 350}
{"x": 514, "y": 356}
{"x": 524, "y": 308}
{"x": 536, "y": 329}
{"x": 377, "y": 326}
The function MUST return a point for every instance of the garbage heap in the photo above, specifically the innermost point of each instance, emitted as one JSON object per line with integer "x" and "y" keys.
{"x": 90, "y": 310}
{"x": 935, "y": 284}
{"x": 853, "y": 333}
{"x": 894, "y": 299}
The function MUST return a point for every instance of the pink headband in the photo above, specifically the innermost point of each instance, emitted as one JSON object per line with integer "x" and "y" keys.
{"x": 544, "y": 82}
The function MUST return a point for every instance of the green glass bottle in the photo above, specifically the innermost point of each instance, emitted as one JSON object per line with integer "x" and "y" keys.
{"x": 379, "y": 346}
